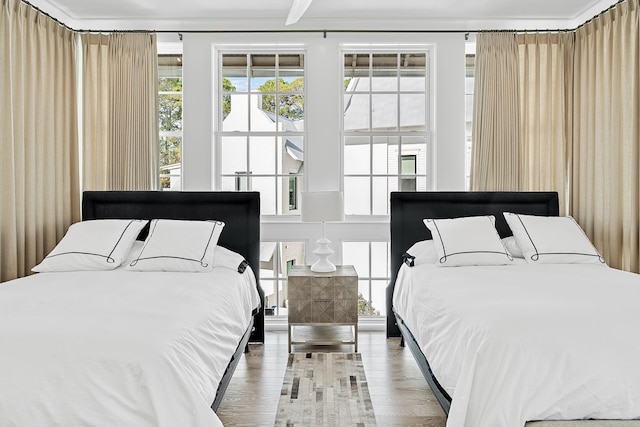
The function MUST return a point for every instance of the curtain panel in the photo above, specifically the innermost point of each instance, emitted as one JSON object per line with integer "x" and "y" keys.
{"x": 120, "y": 114}
{"x": 40, "y": 166}
{"x": 95, "y": 108}
{"x": 39, "y": 195}
{"x": 545, "y": 71}
{"x": 578, "y": 115}
{"x": 605, "y": 178}
{"x": 495, "y": 149}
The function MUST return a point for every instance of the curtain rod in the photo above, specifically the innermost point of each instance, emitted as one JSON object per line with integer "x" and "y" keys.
{"x": 47, "y": 15}
{"x": 609, "y": 9}
{"x": 613, "y": 6}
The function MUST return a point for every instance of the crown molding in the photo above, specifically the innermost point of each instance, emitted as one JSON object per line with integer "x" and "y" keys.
{"x": 255, "y": 25}
{"x": 55, "y": 12}
{"x": 592, "y": 11}
{"x": 333, "y": 24}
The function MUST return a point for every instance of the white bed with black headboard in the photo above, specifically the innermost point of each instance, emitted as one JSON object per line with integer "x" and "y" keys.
{"x": 152, "y": 339}
{"x": 509, "y": 342}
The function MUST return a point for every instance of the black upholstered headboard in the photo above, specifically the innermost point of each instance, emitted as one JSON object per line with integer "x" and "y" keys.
{"x": 408, "y": 209}
{"x": 240, "y": 211}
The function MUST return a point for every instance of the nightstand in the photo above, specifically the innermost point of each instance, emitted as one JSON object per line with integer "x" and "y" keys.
{"x": 323, "y": 299}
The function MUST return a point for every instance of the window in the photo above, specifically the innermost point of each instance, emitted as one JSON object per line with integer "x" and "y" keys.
{"x": 170, "y": 117}
{"x": 260, "y": 147}
{"x": 261, "y": 117}
{"x": 276, "y": 259}
{"x": 469, "y": 81}
{"x": 371, "y": 261}
{"x": 385, "y": 129}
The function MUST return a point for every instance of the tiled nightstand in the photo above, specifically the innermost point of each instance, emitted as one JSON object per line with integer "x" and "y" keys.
{"x": 323, "y": 299}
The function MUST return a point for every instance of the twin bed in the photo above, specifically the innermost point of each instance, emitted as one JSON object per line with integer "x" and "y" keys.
{"x": 500, "y": 345}
{"x": 504, "y": 345}
{"x": 124, "y": 347}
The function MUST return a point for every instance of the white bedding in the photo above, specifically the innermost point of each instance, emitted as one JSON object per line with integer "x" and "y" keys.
{"x": 527, "y": 342}
{"x": 119, "y": 348}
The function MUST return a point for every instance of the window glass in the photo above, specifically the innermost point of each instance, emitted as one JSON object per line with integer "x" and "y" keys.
{"x": 293, "y": 193}
{"x": 385, "y": 130}
{"x": 261, "y": 116}
{"x": 469, "y": 82}
{"x": 276, "y": 259}
{"x": 170, "y": 120}
{"x": 371, "y": 261}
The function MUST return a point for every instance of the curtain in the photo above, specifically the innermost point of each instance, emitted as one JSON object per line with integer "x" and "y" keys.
{"x": 578, "y": 105}
{"x": 95, "y": 108}
{"x": 546, "y": 113}
{"x": 496, "y": 129}
{"x": 39, "y": 195}
{"x": 120, "y": 115}
{"x": 605, "y": 179}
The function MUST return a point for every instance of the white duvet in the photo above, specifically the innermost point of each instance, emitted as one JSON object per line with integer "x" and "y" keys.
{"x": 517, "y": 343}
{"x": 119, "y": 348}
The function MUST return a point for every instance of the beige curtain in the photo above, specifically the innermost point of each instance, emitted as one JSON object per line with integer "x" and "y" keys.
{"x": 95, "y": 108}
{"x": 496, "y": 130}
{"x": 546, "y": 112}
{"x": 605, "y": 184}
{"x": 39, "y": 194}
{"x": 120, "y": 115}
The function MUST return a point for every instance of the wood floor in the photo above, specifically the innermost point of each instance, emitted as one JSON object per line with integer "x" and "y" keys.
{"x": 399, "y": 392}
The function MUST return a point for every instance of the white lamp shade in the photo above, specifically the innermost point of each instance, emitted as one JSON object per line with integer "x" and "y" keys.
{"x": 322, "y": 206}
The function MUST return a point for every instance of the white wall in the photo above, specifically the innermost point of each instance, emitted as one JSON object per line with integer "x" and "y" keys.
{"x": 323, "y": 150}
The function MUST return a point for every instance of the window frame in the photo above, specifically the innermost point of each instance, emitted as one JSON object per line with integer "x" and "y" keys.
{"x": 397, "y": 49}
{"x": 370, "y": 279}
{"x": 175, "y": 133}
{"x": 220, "y": 133}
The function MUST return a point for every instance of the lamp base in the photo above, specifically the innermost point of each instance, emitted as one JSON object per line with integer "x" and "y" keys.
{"x": 323, "y": 265}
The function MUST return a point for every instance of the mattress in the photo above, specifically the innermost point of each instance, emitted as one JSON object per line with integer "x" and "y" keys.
{"x": 119, "y": 347}
{"x": 517, "y": 343}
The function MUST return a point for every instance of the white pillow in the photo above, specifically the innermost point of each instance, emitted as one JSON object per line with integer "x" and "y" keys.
{"x": 136, "y": 247}
{"x": 178, "y": 245}
{"x": 468, "y": 241}
{"x": 512, "y": 246}
{"x": 552, "y": 239}
{"x": 422, "y": 252}
{"x": 226, "y": 258}
{"x": 101, "y": 244}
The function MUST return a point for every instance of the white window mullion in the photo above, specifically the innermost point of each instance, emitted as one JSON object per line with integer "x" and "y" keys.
{"x": 370, "y": 273}
{"x": 370, "y": 77}
{"x": 247, "y": 144}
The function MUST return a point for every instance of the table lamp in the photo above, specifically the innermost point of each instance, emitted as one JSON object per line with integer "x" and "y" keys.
{"x": 323, "y": 206}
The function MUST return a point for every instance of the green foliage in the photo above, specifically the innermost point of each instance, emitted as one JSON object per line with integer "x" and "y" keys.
{"x": 170, "y": 84}
{"x": 170, "y": 104}
{"x": 226, "y": 99}
{"x": 170, "y": 150}
{"x": 170, "y": 119}
{"x": 165, "y": 181}
{"x": 289, "y": 105}
{"x": 365, "y": 308}
{"x": 170, "y": 154}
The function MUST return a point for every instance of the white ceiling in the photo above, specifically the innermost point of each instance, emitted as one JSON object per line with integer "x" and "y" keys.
{"x": 467, "y": 15}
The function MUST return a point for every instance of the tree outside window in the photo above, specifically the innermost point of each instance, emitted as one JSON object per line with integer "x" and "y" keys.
{"x": 170, "y": 120}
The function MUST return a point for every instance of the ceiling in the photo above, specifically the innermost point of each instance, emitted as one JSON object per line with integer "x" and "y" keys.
{"x": 184, "y": 15}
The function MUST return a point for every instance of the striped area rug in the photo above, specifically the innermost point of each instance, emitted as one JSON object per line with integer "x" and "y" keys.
{"x": 325, "y": 389}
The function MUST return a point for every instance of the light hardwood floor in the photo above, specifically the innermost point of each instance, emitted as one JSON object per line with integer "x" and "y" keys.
{"x": 399, "y": 392}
